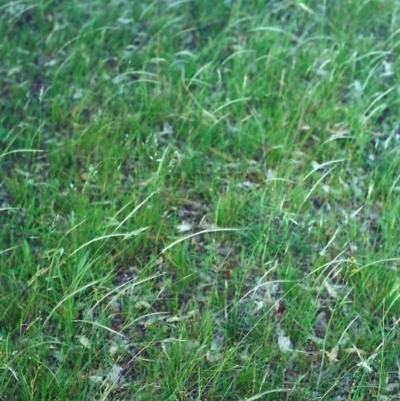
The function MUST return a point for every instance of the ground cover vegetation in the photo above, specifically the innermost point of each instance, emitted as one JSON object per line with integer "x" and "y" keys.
{"x": 199, "y": 200}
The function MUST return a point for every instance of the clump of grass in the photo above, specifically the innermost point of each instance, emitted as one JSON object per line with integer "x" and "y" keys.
{"x": 199, "y": 201}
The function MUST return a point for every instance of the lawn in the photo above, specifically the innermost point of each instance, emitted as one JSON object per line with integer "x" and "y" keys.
{"x": 199, "y": 200}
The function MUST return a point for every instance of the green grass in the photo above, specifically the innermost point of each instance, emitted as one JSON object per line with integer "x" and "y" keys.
{"x": 199, "y": 200}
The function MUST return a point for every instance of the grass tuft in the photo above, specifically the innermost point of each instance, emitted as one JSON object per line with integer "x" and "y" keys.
{"x": 199, "y": 200}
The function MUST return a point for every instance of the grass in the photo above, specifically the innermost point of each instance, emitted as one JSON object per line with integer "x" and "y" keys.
{"x": 199, "y": 200}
